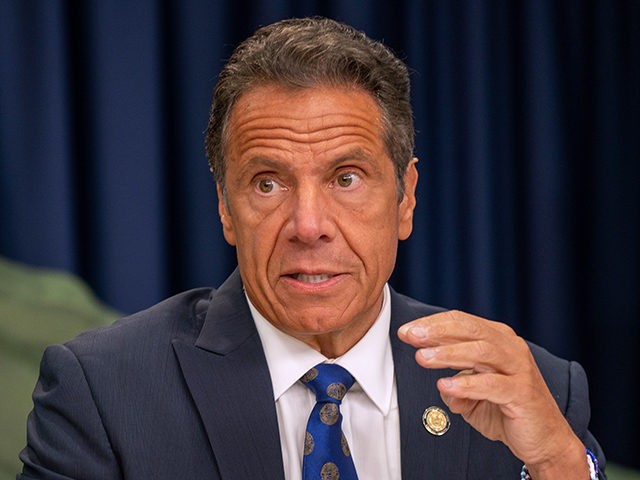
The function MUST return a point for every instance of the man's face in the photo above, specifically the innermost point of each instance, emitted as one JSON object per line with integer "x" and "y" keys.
{"x": 312, "y": 208}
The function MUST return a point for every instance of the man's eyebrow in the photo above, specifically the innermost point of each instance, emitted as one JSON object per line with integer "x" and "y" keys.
{"x": 260, "y": 162}
{"x": 359, "y": 154}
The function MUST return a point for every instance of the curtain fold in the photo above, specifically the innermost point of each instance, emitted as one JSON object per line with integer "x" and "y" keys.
{"x": 528, "y": 125}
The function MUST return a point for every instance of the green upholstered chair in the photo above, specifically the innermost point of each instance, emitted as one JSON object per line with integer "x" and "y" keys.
{"x": 37, "y": 308}
{"x": 618, "y": 472}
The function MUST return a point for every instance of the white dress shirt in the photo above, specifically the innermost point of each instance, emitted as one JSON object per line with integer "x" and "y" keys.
{"x": 370, "y": 409}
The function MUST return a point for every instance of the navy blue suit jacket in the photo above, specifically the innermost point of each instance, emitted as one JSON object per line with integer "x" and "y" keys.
{"x": 182, "y": 390}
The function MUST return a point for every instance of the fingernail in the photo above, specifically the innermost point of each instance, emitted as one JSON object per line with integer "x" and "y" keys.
{"x": 447, "y": 382}
{"x": 428, "y": 353}
{"x": 418, "y": 331}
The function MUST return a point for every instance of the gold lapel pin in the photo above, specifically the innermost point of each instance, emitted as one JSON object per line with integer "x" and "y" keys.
{"x": 436, "y": 421}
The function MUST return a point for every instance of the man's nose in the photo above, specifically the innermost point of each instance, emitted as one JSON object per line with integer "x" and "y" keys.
{"x": 310, "y": 217}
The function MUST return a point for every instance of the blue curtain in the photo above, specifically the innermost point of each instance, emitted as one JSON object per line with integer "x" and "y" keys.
{"x": 528, "y": 125}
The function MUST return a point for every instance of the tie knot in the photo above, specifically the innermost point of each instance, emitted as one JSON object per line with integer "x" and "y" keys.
{"x": 328, "y": 381}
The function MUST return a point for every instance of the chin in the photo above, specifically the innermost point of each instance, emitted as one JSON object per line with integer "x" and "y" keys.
{"x": 321, "y": 325}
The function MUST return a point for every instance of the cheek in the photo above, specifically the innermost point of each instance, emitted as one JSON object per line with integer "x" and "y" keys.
{"x": 374, "y": 239}
{"x": 257, "y": 238}
{"x": 379, "y": 221}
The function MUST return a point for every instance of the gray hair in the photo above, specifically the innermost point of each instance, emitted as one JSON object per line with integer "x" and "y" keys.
{"x": 307, "y": 52}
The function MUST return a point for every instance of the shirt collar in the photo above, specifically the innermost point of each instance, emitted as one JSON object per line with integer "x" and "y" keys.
{"x": 369, "y": 361}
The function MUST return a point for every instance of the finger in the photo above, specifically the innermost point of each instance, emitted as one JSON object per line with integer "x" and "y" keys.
{"x": 510, "y": 392}
{"x": 478, "y": 355}
{"x": 459, "y": 405}
{"x": 451, "y": 327}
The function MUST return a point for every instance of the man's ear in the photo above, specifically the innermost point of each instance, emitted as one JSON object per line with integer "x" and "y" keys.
{"x": 408, "y": 203}
{"x": 225, "y": 218}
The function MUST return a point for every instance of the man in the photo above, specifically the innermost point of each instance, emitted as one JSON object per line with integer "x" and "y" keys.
{"x": 311, "y": 140}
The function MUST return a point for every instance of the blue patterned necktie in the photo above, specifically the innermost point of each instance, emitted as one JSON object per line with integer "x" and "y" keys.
{"x": 326, "y": 452}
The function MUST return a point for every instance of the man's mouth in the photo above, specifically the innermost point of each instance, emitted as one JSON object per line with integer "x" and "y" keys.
{"x": 318, "y": 278}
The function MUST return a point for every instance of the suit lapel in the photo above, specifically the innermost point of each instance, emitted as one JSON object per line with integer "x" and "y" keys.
{"x": 424, "y": 456}
{"x": 228, "y": 378}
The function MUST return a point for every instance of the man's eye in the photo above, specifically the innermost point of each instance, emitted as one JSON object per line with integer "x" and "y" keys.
{"x": 266, "y": 185}
{"x": 346, "y": 180}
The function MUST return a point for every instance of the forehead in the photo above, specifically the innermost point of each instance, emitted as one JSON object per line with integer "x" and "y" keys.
{"x": 274, "y": 109}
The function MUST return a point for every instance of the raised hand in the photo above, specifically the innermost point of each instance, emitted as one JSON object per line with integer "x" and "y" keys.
{"x": 499, "y": 390}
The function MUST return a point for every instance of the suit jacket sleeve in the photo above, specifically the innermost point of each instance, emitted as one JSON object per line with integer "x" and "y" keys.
{"x": 567, "y": 381}
{"x": 66, "y": 438}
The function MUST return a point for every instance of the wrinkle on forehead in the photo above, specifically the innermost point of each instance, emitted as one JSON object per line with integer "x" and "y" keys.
{"x": 310, "y": 116}
{"x": 338, "y": 138}
{"x": 303, "y": 123}
{"x": 254, "y": 108}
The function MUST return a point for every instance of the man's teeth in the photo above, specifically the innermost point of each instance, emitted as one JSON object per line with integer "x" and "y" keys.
{"x": 312, "y": 278}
